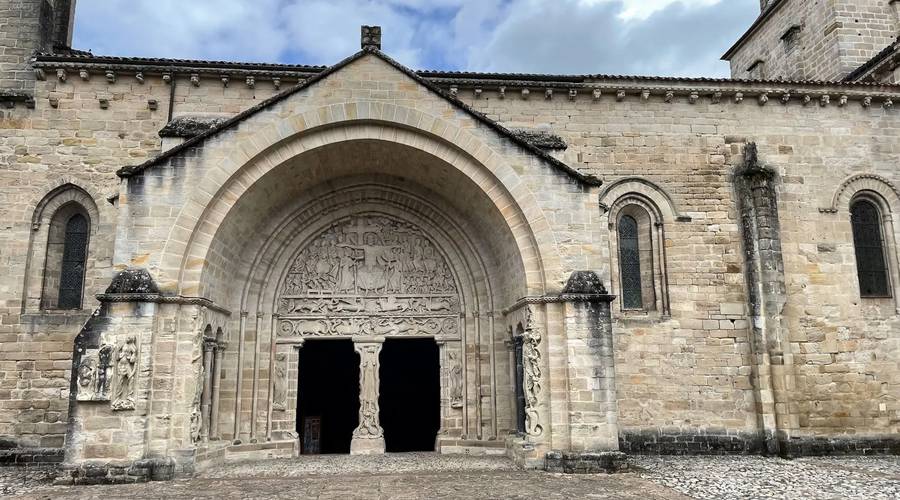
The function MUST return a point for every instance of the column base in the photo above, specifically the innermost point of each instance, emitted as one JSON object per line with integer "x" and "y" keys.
{"x": 367, "y": 446}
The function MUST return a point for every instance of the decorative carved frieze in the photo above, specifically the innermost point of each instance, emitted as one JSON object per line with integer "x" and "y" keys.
{"x": 126, "y": 357}
{"x": 369, "y": 275}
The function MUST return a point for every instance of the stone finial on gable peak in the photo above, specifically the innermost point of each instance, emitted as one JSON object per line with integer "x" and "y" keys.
{"x": 370, "y": 37}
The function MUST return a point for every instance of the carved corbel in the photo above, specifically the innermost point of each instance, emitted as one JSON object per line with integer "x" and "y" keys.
{"x": 716, "y": 98}
{"x": 548, "y": 94}
{"x": 596, "y": 94}
{"x": 763, "y": 98}
{"x": 478, "y": 92}
{"x": 54, "y": 102}
{"x": 867, "y": 101}
{"x": 694, "y": 97}
{"x": 195, "y": 79}
{"x": 276, "y": 82}
{"x": 110, "y": 77}
{"x": 525, "y": 93}
{"x": 620, "y": 95}
{"x": 824, "y": 100}
{"x": 807, "y": 99}
{"x": 670, "y": 96}
{"x": 738, "y": 97}
{"x": 843, "y": 101}
{"x": 573, "y": 93}
{"x": 454, "y": 91}
{"x": 502, "y": 92}
{"x": 61, "y": 75}
{"x": 84, "y": 74}
{"x": 888, "y": 103}
{"x": 167, "y": 78}
{"x": 39, "y": 74}
{"x": 251, "y": 81}
{"x": 785, "y": 98}
{"x": 225, "y": 80}
{"x": 139, "y": 76}
{"x": 645, "y": 95}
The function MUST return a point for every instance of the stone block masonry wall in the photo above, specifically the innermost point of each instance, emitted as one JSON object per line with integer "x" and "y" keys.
{"x": 69, "y": 138}
{"x": 691, "y": 374}
{"x": 831, "y": 39}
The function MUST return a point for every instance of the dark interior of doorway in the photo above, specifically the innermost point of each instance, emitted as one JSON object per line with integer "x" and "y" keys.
{"x": 410, "y": 394}
{"x": 328, "y": 390}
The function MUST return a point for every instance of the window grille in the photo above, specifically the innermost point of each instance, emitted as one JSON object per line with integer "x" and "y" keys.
{"x": 630, "y": 263}
{"x": 867, "y": 241}
{"x": 74, "y": 258}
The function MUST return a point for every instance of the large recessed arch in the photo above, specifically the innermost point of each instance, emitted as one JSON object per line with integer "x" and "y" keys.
{"x": 240, "y": 167}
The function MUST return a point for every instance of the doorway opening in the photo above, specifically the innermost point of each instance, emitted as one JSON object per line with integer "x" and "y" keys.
{"x": 410, "y": 398}
{"x": 327, "y": 396}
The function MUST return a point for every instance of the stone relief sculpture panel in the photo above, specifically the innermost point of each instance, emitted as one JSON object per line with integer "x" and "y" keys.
{"x": 531, "y": 355}
{"x": 279, "y": 383}
{"x": 196, "y": 422}
{"x": 126, "y": 356}
{"x": 369, "y": 275}
{"x": 95, "y": 374}
{"x": 455, "y": 379}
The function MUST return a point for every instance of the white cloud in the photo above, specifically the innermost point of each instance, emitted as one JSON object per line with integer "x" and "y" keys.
{"x": 567, "y": 36}
{"x": 642, "y": 9}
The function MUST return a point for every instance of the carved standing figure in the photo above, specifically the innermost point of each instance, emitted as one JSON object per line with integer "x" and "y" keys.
{"x": 369, "y": 426}
{"x": 126, "y": 368}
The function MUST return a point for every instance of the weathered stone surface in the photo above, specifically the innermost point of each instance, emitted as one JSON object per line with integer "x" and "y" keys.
{"x": 133, "y": 280}
{"x": 190, "y": 125}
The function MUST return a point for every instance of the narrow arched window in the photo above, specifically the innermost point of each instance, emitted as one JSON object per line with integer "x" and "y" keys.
{"x": 71, "y": 280}
{"x": 630, "y": 263}
{"x": 871, "y": 265}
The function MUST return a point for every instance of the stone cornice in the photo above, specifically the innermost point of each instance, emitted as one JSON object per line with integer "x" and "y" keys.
{"x": 162, "y": 299}
{"x": 563, "y": 297}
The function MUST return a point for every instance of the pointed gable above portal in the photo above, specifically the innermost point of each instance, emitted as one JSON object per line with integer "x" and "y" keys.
{"x": 369, "y": 50}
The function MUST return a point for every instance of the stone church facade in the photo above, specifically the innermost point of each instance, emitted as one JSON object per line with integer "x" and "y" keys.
{"x": 576, "y": 265}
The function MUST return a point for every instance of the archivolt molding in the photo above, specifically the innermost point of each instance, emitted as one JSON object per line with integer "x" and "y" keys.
{"x": 664, "y": 207}
{"x": 241, "y": 165}
{"x": 864, "y": 182}
{"x": 57, "y": 194}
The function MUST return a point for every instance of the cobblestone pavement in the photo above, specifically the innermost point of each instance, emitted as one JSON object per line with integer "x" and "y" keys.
{"x": 415, "y": 476}
{"x": 869, "y": 478}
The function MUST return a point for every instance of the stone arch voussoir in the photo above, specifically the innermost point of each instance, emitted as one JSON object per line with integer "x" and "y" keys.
{"x": 245, "y": 162}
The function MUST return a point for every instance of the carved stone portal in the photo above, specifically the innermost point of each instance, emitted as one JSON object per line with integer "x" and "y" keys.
{"x": 125, "y": 372}
{"x": 371, "y": 276}
{"x": 368, "y": 437}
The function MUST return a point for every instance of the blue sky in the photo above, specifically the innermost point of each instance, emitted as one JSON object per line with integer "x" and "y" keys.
{"x": 648, "y": 37}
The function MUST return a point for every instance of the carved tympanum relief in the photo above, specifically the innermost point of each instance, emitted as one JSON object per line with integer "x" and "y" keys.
{"x": 369, "y": 275}
{"x": 125, "y": 371}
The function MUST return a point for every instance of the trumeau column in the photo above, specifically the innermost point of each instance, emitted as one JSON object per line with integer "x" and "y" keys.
{"x": 368, "y": 437}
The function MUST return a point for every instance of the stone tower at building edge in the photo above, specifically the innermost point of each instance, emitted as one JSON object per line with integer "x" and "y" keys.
{"x": 208, "y": 261}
